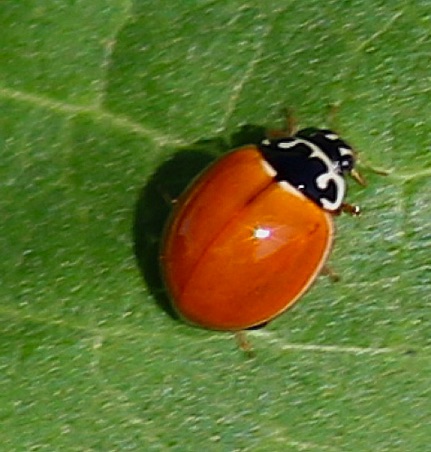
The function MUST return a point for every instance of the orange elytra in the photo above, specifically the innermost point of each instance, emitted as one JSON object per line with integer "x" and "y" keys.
{"x": 252, "y": 232}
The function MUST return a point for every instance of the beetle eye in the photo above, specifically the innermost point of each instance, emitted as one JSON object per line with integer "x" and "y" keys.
{"x": 347, "y": 163}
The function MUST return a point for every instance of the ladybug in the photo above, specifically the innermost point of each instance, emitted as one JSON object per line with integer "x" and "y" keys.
{"x": 252, "y": 232}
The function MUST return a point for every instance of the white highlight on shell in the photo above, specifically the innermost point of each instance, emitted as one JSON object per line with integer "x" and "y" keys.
{"x": 290, "y": 188}
{"x": 268, "y": 168}
{"x": 332, "y": 136}
{"x": 261, "y": 233}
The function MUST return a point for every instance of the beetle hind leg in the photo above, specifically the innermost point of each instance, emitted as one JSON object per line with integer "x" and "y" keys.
{"x": 243, "y": 343}
{"x": 328, "y": 271}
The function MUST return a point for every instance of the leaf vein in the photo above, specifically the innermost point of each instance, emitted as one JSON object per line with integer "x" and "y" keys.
{"x": 118, "y": 121}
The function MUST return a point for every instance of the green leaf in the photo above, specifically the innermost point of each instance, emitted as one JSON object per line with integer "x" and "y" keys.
{"x": 107, "y": 110}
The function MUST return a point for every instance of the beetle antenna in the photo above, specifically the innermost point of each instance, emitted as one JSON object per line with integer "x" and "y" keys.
{"x": 357, "y": 176}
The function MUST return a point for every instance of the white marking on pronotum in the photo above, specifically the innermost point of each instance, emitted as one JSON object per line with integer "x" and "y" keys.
{"x": 345, "y": 151}
{"x": 332, "y": 136}
{"x": 324, "y": 179}
{"x": 287, "y": 144}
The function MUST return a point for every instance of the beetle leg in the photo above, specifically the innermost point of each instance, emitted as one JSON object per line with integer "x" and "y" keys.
{"x": 243, "y": 343}
{"x": 357, "y": 177}
{"x": 327, "y": 271}
{"x": 351, "y": 209}
{"x": 291, "y": 122}
{"x": 332, "y": 113}
{"x": 166, "y": 197}
{"x": 289, "y": 129}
